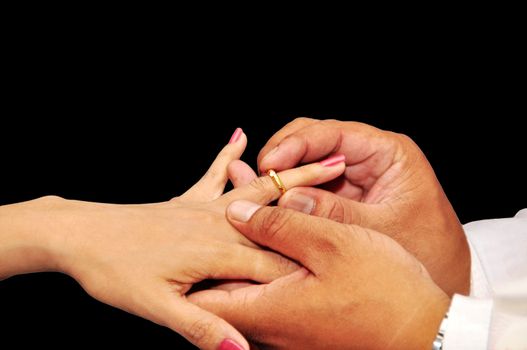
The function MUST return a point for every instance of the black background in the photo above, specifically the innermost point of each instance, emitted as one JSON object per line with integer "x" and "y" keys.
{"x": 130, "y": 127}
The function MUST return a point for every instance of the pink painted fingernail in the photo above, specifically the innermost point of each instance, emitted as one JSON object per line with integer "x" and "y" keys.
{"x": 236, "y": 136}
{"x": 333, "y": 160}
{"x": 229, "y": 344}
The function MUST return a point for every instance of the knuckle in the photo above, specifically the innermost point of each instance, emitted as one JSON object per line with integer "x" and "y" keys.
{"x": 328, "y": 122}
{"x": 341, "y": 212}
{"x": 176, "y": 199}
{"x": 200, "y": 331}
{"x": 259, "y": 184}
{"x": 407, "y": 146}
{"x": 336, "y": 211}
{"x": 405, "y": 139}
{"x": 295, "y": 138}
{"x": 302, "y": 121}
{"x": 51, "y": 200}
{"x": 264, "y": 187}
{"x": 274, "y": 222}
{"x": 213, "y": 173}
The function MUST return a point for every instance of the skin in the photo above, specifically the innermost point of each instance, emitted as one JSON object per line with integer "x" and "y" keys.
{"x": 388, "y": 186}
{"x": 145, "y": 258}
{"x": 359, "y": 289}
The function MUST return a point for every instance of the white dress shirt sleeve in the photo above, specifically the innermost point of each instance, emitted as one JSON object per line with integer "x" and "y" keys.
{"x": 495, "y": 315}
{"x": 468, "y": 323}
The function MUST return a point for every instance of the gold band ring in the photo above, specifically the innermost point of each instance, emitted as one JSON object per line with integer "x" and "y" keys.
{"x": 277, "y": 181}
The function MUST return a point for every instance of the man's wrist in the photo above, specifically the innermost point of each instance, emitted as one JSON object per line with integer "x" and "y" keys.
{"x": 424, "y": 324}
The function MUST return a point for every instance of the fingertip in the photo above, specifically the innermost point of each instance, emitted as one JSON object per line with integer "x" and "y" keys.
{"x": 204, "y": 328}
{"x": 242, "y": 210}
{"x": 229, "y": 344}
{"x": 231, "y": 308}
{"x": 238, "y": 140}
{"x": 243, "y": 138}
{"x": 235, "y": 136}
{"x": 336, "y": 159}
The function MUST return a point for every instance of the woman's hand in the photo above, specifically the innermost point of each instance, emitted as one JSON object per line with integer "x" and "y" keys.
{"x": 145, "y": 258}
{"x": 359, "y": 288}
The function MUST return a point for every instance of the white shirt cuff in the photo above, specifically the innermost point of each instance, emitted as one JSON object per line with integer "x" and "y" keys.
{"x": 479, "y": 285}
{"x": 468, "y": 323}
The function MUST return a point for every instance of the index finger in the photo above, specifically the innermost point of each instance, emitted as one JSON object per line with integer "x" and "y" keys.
{"x": 288, "y": 129}
{"x": 293, "y": 145}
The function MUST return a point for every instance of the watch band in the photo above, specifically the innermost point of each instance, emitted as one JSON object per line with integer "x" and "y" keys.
{"x": 438, "y": 342}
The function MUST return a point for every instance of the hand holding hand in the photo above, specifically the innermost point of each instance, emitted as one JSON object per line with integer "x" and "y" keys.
{"x": 359, "y": 288}
{"x": 388, "y": 186}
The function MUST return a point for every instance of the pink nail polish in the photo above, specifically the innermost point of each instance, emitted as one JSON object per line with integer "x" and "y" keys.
{"x": 333, "y": 160}
{"x": 229, "y": 344}
{"x": 236, "y": 136}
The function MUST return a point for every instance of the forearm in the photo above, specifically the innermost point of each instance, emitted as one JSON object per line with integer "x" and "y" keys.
{"x": 29, "y": 236}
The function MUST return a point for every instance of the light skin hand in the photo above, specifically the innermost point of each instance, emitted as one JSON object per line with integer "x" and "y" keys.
{"x": 145, "y": 258}
{"x": 388, "y": 186}
{"x": 359, "y": 288}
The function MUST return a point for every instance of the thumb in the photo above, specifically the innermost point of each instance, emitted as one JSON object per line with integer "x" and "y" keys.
{"x": 202, "y": 328}
{"x": 318, "y": 202}
{"x": 310, "y": 240}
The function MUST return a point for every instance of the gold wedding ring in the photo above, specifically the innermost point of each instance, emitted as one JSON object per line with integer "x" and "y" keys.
{"x": 277, "y": 181}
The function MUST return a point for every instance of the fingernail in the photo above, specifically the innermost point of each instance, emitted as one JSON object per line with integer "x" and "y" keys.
{"x": 300, "y": 202}
{"x": 229, "y": 344}
{"x": 236, "y": 135}
{"x": 242, "y": 210}
{"x": 336, "y": 159}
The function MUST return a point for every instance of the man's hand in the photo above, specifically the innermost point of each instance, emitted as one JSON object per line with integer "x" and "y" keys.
{"x": 359, "y": 288}
{"x": 388, "y": 186}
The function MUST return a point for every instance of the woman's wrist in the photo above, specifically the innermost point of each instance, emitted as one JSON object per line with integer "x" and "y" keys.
{"x": 32, "y": 235}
